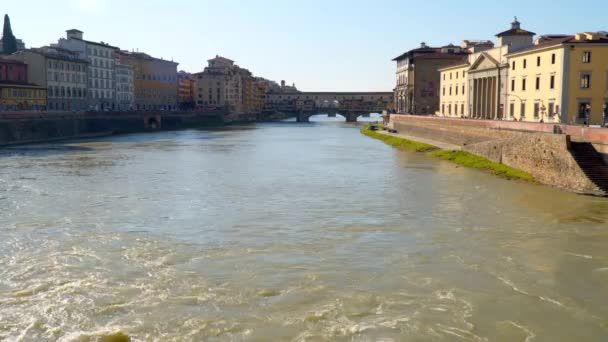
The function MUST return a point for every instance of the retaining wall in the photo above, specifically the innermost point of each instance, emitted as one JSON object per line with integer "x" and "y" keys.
{"x": 544, "y": 155}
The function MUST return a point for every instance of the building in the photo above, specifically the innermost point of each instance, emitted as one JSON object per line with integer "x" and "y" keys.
{"x": 155, "y": 81}
{"x": 260, "y": 89}
{"x": 62, "y": 72}
{"x": 560, "y": 78}
{"x": 476, "y": 88}
{"x": 101, "y": 71}
{"x": 418, "y": 79}
{"x": 125, "y": 93}
{"x": 220, "y": 85}
{"x": 185, "y": 90}
{"x": 16, "y": 96}
{"x": 12, "y": 70}
{"x": 9, "y": 44}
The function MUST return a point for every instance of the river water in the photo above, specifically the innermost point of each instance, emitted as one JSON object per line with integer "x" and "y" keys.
{"x": 289, "y": 232}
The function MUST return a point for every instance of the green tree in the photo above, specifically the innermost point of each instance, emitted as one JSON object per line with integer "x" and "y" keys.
{"x": 9, "y": 42}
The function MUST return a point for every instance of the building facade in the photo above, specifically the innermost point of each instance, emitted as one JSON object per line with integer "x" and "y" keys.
{"x": 101, "y": 70}
{"x": 478, "y": 87}
{"x": 155, "y": 81}
{"x": 21, "y": 96}
{"x": 62, "y": 72}
{"x": 13, "y": 70}
{"x": 125, "y": 96}
{"x": 220, "y": 85}
{"x": 418, "y": 79}
{"x": 561, "y": 79}
{"x": 185, "y": 90}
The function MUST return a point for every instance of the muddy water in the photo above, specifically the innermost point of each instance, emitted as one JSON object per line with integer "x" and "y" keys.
{"x": 295, "y": 232}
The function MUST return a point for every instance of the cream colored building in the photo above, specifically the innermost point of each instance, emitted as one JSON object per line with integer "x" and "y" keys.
{"x": 220, "y": 85}
{"x": 454, "y": 97}
{"x": 560, "y": 79}
{"x": 484, "y": 75}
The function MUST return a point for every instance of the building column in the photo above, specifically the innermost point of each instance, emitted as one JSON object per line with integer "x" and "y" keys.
{"x": 482, "y": 110}
{"x": 477, "y": 97}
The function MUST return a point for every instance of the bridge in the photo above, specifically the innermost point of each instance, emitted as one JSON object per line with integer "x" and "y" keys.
{"x": 351, "y": 105}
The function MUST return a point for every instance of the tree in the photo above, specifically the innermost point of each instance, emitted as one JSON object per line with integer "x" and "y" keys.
{"x": 9, "y": 42}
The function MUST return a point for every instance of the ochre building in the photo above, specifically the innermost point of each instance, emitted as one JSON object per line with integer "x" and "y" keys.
{"x": 155, "y": 81}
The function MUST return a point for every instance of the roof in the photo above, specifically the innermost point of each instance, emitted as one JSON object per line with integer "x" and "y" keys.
{"x": 141, "y": 55}
{"x": 59, "y": 56}
{"x": 421, "y": 50}
{"x": 6, "y": 84}
{"x": 515, "y": 32}
{"x": 454, "y": 66}
{"x": 567, "y": 40}
{"x": 95, "y": 43}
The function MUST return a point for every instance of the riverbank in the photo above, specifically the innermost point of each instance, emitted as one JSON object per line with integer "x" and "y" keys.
{"x": 34, "y": 128}
{"x": 446, "y": 153}
{"x": 569, "y": 162}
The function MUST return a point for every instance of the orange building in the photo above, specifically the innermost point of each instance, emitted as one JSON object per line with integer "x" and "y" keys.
{"x": 185, "y": 96}
{"x": 155, "y": 79}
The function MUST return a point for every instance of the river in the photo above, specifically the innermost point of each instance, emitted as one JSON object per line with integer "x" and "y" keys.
{"x": 289, "y": 232}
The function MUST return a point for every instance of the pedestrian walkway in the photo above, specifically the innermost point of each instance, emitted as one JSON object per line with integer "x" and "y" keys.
{"x": 439, "y": 144}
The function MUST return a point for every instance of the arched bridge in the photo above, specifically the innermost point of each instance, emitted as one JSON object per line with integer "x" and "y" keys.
{"x": 351, "y": 105}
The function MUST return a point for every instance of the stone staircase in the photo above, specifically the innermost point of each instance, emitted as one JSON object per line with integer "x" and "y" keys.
{"x": 592, "y": 165}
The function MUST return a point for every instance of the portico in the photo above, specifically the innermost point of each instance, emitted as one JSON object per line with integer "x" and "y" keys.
{"x": 485, "y": 77}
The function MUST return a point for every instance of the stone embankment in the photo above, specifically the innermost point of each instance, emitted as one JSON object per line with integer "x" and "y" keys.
{"x": 25, "y": 128}
{"x": 532, "y": 148}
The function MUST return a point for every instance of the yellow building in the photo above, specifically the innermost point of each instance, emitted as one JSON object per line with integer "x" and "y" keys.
{"x": 454, "y": 100}
{"x": 560, "y": 79}
{"x": 22, "y": 96}
{"x": 155, "y": 81}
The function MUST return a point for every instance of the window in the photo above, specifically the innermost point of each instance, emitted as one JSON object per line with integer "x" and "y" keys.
{"x": 512, "y": 109}
{"x": 513, "y": 66}
{"x": 513, "y": 85}
{"x": 536, "y": 109}
{"x": 551, "y": 109}
{"x": 537, "y": 82}
{"x": 538, "y": 61}
{"x": 523, "y": 110}
{"x": 525, "y": 63}
{"x": 456, "y": 90}
{"x": 553, "y": 59}
{"x": 462, "y": 109}
{"x": 523, "y": 84}
{"x": 552, "y": 82}
{"x": 584, "y": 108}
{"x": 586, "y": 56}
{"x": 450, "y": 90}
{"x": 455, "y": 109}
{"x": 585, "y": 80}
{"x": 443, "y": 92}
{"x": 463, "y": 89}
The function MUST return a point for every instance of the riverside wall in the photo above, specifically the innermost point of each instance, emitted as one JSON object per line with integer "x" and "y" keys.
{"x": 529, "y": 147}
{"x": 24, "y": 128}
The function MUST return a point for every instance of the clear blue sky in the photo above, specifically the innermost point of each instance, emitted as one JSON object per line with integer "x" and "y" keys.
{"x": 318, "y": 44}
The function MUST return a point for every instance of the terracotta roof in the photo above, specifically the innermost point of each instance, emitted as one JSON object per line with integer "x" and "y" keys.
{"x": 560, "y": 41}
{"x": 515, "y": 32}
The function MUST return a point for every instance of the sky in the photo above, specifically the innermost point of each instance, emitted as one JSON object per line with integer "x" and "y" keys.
{"x": 320, "y": 45}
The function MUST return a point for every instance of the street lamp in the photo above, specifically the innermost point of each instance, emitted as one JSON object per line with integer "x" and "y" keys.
{"x": 543, "y": 110}
{"x": 521, "y": 101}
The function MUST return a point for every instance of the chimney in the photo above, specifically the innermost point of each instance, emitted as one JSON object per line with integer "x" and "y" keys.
{"x": 423, "y": 45}
{"x": 283, "y": 84}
